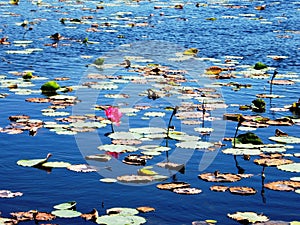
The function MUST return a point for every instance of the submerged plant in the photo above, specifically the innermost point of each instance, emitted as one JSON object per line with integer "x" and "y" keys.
{"x": 114, "y": 115}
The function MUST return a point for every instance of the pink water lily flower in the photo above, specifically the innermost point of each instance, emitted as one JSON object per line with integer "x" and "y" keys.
{"x": 113, "y": 114}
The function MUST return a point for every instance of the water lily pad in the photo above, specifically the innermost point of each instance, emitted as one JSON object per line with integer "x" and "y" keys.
{"x": 173, "y": 185}
{"x": 83, "y": 168}
{"x": 292, "y": 167}
{"x": 125, "y": 135}
{"x": 148, "y": 130}
{"x": 108, "y": 180}
{"x": 66, "y": 213}
{"x": 118, "y": 148}
{"x": 272, "y": 161}
{"x": 250, "y": 217}
{"x": 135, "y": 179}
{"x": 122, "y": 211}
{"x": 187, "y": 191}
{"x": 283, "y": 185}
{"x": 66, "y": 205}
{"x": 219, "y": 188}
{"x": 155, "y": 114}
{"x": 99, "y": 157}
{"x": 242, "y": 190}
{"x": 56, "y": 164}
{"x": 145, "y": 209}
{"x": 286, "y": 140}
{"x": 120, "y": 220}
{"x": 241, "y": 151}
{"x": 33, "y": 162}
{"x": 194, "y": 144}
{"x": 220, "y": 177}
{"x": 9, "y": 194}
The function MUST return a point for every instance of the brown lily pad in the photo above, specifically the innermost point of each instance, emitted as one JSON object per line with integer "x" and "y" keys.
{"x": 38, "y": 100}
{"x": 272, "y": 161}
{"x": 219, "y": 188}
{"x": 173, "y": 185}
{"x": 145, "y": 209}
{"x": 283, "y": 185}
{"x": 92, "y": 216}
{"x": 219, "y": 177}
{"x": 136, "y": 160}
{"x": 171, "y": 166}
{"x": 242, "y": 190}
{"x": 135, "y": 179}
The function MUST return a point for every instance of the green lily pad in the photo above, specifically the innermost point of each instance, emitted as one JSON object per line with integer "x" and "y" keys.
{"x": 117, "y": 148}
{"x": 148, "y": 130}
{"x": 56, "y": 164}
{"x": 32, "y": 162}
{"x": 251, "y": 217}
{"x": 125, "y": 136}
{"x": 66, "y": 213}
{"x": 194, "y": 144}
{"x": 286, "y": 140}
{"x": 122, "y": 211}
{"x": 241, "y": 151}
{"x": 66, "y": 205}
{"x": 293, "y": 167}
{"x": 120, "y": 220}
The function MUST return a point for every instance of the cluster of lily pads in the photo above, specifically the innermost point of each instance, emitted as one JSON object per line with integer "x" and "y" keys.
{"x": 197, "y": 105}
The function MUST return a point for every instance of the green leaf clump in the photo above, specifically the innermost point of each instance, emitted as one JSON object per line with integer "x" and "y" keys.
{"x": 99, "y": 61}
{"x": 50, "y": 87}
{"x": 27, "y": 76}
{"x": 258, "y": 105}
{"x": 260, "y": 66}
{"x": 249, "y": 138}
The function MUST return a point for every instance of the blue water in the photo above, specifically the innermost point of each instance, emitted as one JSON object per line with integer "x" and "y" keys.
{"x": 243, "y": 36}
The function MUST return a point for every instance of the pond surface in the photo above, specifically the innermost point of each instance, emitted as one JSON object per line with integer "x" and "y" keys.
{"x": 228, "y": 34}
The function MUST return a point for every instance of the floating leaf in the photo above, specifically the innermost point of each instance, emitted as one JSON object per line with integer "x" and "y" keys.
{"x": 125, "y": 135}
{"x": 99, "y": 157}
{"x": 9, "y": 194}
{"x": 292, "y": 167}
{"x": 194, "y": 144}
{"x": 145, "y": 209}
{"x": 241, "y": 151}
{"x": 272, "y": 161}
{"x": 250, "y": 217}
{"x": 92, "y": 216}
{"x": 56, "y": 164}
{"x": 66, "y": 205}
{"x": 219, "y": 177}
{"x": 108, "y": 180}
{"x": 242, "y": 190}
{"x": 187, "y": 191}
{"x": 66, "y": 213}
{"x": 286, "y": 140}
{"x": 219, "y": 188}
{"x": 118, "y": 148}
{"x": 33, "y": 162}
{"x": 83, "y": 168}
{"x": 283, "y": 185}
{"x": 122, "y": 211}
{"x": 148, "y": 130}
{"x": 135, "y": 179}
{"x": 173, "y": 185}
{"x": 120, "y": 220}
